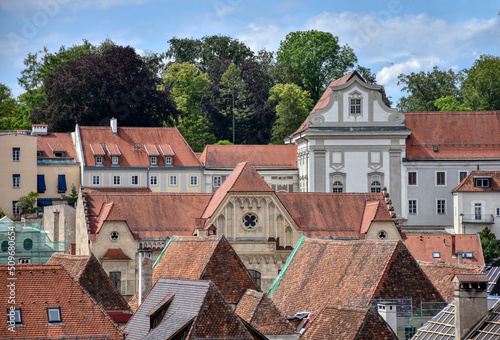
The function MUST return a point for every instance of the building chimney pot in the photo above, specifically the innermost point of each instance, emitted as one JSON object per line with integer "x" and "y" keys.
{"x": 114, "y": 126}
{"x": 388, "y": 311}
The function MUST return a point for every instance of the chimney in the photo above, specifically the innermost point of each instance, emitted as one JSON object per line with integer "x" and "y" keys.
{"x": 145, "y": 273}
{"x": 114, "y": 125}
{"x": 388, "y": 311}
{"x": 471, "y": 303}
{"x": 39, "y": 129}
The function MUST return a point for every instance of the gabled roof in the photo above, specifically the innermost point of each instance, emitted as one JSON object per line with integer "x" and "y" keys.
{"x": 40, "y": 286}
{"x": 424, "y": 247}
{"x": 259, "y": 311}
{"x": 468, "y": 184}
{"x": 344, "y": 322}
{"x": 115, "y": 254}
{"x": 260, "y": 156}
{"x": 149, "y": 214}
{"x": 475, "y": 135}
{"x": 196, "y": 310}
{"x": 244, "y": 178}
{"x": 442, "y": 274}
{"x": 89, "y": 273}
{"x": 52, "y": 142}
{"x": 136, "y": 144}
{"x": 205, "y": 258}
{"x": 334, "y": 271}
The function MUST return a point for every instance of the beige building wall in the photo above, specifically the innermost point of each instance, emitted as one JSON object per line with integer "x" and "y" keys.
{"x": 388, "y": 229}
{"x": 51, "y": 173}
{"x": 25, "y": 167}
{"x": 59, "y": 223}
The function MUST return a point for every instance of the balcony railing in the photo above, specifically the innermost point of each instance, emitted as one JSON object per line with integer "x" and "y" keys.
{"x": 478, "y": 218}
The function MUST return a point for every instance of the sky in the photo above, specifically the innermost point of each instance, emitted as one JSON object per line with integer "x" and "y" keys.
{"x": 389, "y": 37}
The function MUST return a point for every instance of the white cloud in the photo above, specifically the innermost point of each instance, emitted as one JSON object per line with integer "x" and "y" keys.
{"x": 265, "y": 36}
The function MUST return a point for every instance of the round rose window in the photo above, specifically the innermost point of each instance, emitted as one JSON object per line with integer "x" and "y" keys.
{"x": 250, "y": 221}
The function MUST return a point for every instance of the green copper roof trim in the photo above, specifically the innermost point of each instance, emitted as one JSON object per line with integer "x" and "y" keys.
{"x": 161, "y": 254}
{"x": 277, "y": 281}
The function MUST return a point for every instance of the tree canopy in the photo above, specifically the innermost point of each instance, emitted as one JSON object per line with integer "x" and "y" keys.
{"x": 481, "y": 87}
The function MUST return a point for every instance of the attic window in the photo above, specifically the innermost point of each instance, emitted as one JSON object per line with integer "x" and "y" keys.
{"x": 382, "y": 235}
{"x": 59, "y": 153}
{"x": 436, "y": 255}
{"x": 14, "y": 316}
{"x": 114, "y": 236}
{"x": 114, "y": 160}
{"x": 39, "y": 154}
{"x": 157, "y": 313}
{"x": 154, "y": 161}
{"x": 54, "y": 314}
{"x": 468, "y": 255}
{"x": 98, "y": 160}
{"x": 482, "y": 182}
{"x": 168, "y": 160}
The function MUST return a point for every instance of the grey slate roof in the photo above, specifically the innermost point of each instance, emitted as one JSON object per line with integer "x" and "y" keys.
{"x": 189, "y": 296}
{"x": 493, "y": 274}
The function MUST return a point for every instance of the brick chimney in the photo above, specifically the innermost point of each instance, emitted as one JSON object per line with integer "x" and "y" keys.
{"x": 145, "y": 273}
{"x": 471, "y": 303}
{"x": 114, "y": 125}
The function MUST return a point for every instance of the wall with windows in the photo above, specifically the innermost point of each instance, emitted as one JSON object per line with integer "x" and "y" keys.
{"x": 475, "y": 210}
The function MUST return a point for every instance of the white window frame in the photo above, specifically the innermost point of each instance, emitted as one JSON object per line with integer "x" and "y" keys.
{"x": 193, "y": 180}
{"x": 153, "y": 160}
{"x": 409, "y": 207}
{"x": 217, "y": 181}
{"x": 16, "y": 181}
{"x": 96, "y": 179}
{"x": 436, "y": 179}
{"x": 416, "y": 178}
{"x": 173, "y": 181}
{"x": 15, "y": 209}
{"x": 115, "y": 160}
{"x": 16, "y": 154}
{"x": 168, "y": 160}
{"x": 98, "y": 160}
{"x": 132, "y": 177}
{"x": 355, "y": 103}
{"x": 479, "y": 205}
{"x": 444, "y": 206}
{"x": 117, "y": 180}
{"x": 153, "y": 180}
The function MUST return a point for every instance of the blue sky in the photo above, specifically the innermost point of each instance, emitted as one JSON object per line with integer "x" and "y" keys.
{"x": 390, "y": 37}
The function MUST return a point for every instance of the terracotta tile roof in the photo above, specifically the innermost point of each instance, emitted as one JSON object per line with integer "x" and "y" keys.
{"x": 259, "y": 156}
{"x": 205, "y": 258}
{"x": 343, "y": 322}
{"x": 56, "y": 142}
{"x": 196, "y": 310}
{"x": 115, "y": 190}
{"x": 423, "y": 247}
{"x": 475, "y": 135}
{"x": 259, "y": 311}
{"x": 134, "y": 144}
{"x": 442, "y": 274}
{"x": 97, "y": 149}
{"x": 166, "y": 150}
{"x": 112, "y": 149}
{"x": 244, "y": 178}
{"x": 90, "y": 274}
{"x": 335, "y": 271}
{"x": 150, "y": 214}
{"x": 346, "y": 217}
{"x": 115, "y": 254}
{"x": 41, "y": 286}
{"x": 468, "y": 183}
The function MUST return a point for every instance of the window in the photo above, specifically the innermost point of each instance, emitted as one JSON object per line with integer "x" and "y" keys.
{"x": 154, "y": 161}
{"x": 382, "y": 235}
{"x": 114, "y": 236}
{"x": 96, "y": 180}
{"x": 40, "y": 183}
{"x": 172, "y": 180}
{"x": 355, "y": 106}
{"x": 16, "y": 181}
{"x": 54, "y": 314}
{"x": 153, "y": 180}
{"x": 436, "y": 254}
{"x": 468, "y": 255}
{"x": 193, "y": 180}
{"x": 256, "y": 276}
{"x": 498, "y": 211}
{"x": 116, "y": 279}
{"x": 39, "y": 154}
{"x": 412, "y": 206}
{"x": 98, "y": 160}
{"x": 28, "y": 244}
{"x": 156, "y": 316}
{"x": 412, "y": 178}
{"x": 461, "y": 176}
{"x": 168, "y": 160}
{"x": 217, "y": 181}
{"x": 440, "y": 178}
{"x": 14, "y": 315}
{"x": 441, "y": 207}
{"x": 250, "y": 221}
{"x": 114, "y": 160}
{"x": 134, "y": 180}
{"x": 24, "y": 261}
{"x": 337, "y": 187}
{"x": 15, "y": 209}
{"x": 117, "y": 180}
{"x": 59, "y": 153}
{"x": 375, "y": 186}
{"x": 478, "y": 210}
{"x": 16, "y": 154}
{"x": 61, "y": 183}
{"x": 482, "y": 182}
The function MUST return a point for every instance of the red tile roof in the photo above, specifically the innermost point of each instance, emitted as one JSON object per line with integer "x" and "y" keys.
{"x": 422, "y": 248}
{"x": 260, "y": 312}
{"x": 150, "y": 214}
{"x": 134, "y": 144}
{"x": 115, "y": 254}
{"x": 56, "y": 142}
{"x": 260, "y": 156}
{"x": 346, "y": 323}
{"x": 457, "y": 135}
{"x": 335, "y": 271}
{"x": 41, "y": 286}
{"x": 468, "y": 183}
{"x": 442, "y": 274}
{"x": 205, "y": 258}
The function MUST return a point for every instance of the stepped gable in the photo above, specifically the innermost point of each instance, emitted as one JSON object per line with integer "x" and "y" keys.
{"x": 344, "y": 322}
{"x": 335, "y": 271}
{"x": 475, "y": 135}
{"x": 244, "y": 178}
{"x": 87, "y": 270}
{"x": 260, "y": 312}
{"x": 39, "y": 286}
{"x": 205, "y": 258}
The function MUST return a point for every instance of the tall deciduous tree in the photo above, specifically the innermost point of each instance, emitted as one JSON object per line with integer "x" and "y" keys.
{"x": 115, "y": 82}
{"x": 491, "y": 247}
{"x": 13, "y": 113}
{"x": 315, "y": 58}
{"x": 481, "y": 87}
{"x": 292, "y": 109}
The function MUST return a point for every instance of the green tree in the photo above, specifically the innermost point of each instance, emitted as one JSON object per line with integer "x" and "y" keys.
{"x": 371, "y": 78}
{"x": 27, "y": 204}
{"x": 224, "y": 142}
{"x": 450, "y": 104}
{"x": 315, "y": 58}
{"x": 491, "y": 247}
{"x": 425, "y": 88}
{"x": 73, "y": 197}
{"x": 294, "y": 104}
{"x": 13, "y": 113}
{"x": 481, "y": 87}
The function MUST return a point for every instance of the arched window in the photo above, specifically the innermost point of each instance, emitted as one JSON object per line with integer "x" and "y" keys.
{"x": 255, "y": 276}
{"x": 337, "y": 186}
{"x": 375, "y": 186}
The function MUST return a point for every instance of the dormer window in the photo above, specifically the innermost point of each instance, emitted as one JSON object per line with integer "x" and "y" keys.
{"x": 482, "y": 182}
{"x": 98, "y": 160}
{"x": 59, "y": 153}
{"x": 436, "y": 255}
{"x": 54, "y": 314}
{"x": 39, "y": 154}
{"x": 114, "y": 160}
{"x": 157, "y": 313}
{"x": 168, "y": 160}
{"x": 14, "y": 316}
{"x": 154, "y": 161}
